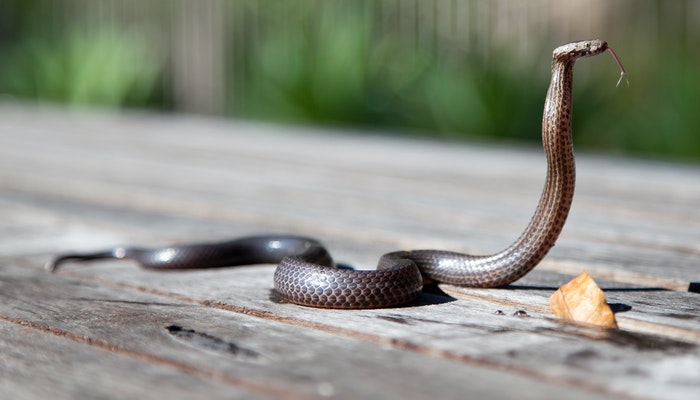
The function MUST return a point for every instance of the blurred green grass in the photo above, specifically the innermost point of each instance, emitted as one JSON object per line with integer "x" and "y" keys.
{"x": 328, "y": 63}
{"x": 82, "y": 68}
{"x": 339, "y": 75}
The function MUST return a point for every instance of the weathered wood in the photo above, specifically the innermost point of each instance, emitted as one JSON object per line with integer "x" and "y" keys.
{"x": 627, "y": 216}
{"x": 254, "y": 353}
{"x": 469, "y": 329}
{"x": 90, "y": 181}
{"x": 41, "y": 365}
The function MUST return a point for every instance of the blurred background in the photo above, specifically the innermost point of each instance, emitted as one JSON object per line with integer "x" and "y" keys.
{"x": 448, "y": 69}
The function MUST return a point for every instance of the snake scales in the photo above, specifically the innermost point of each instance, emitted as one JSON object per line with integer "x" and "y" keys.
{"x": 306, "y": 274}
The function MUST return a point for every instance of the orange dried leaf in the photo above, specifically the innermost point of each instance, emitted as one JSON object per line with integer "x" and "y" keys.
{"x": 582, "y": 300}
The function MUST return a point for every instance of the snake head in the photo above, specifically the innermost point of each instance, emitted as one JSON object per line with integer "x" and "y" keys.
{"x": 584, "y": 48}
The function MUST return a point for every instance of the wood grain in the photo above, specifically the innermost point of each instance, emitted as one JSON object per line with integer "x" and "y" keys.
{"x": 86, "y": 180}
{"x": 251, "y": 353}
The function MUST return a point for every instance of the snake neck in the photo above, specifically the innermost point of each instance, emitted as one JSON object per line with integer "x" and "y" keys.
{"x": 548, "y": 220}
{"x": 553, "y": 208}
{"x": 554, "y": 204}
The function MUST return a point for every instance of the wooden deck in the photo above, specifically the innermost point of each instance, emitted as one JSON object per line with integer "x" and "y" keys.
{"x": 87, "y": 181}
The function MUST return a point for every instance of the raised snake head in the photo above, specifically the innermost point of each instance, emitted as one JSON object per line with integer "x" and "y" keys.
{"x": 584, "y": 48}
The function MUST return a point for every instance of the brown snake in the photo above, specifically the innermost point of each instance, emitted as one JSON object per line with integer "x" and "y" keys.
{"x": 305, "y": 274}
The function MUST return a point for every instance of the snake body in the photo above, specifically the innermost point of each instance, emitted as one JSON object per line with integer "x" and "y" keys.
{"x": 305, "y": 273}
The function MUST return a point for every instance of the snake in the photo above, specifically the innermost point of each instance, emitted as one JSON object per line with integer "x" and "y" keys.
{"x": 307, "y": 275}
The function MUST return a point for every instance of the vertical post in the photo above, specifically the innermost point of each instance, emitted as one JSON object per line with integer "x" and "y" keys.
{"x": 198, "y": 64}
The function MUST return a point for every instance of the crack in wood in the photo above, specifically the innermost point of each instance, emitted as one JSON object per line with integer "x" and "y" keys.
{"x": 118, "y": 301}
{"x": 630, "y": 324}
{"x": 408, "y": 345}
{"x": 406, "y": 320}
{"x": 210, "y": 342}
{"x": 645, "y": 342}
{"x": 570, "y": 267}
{"x": 398, "y": 343}
{"x": 182, "y": 366}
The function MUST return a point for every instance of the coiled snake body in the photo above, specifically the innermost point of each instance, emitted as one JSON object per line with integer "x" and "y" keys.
{"x": 305, "y": 274}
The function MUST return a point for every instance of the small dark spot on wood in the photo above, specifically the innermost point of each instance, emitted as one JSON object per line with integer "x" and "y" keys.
{"x": 209, "y": 342}
{"x": 174, "y": 329}
{"x": 583, "y": 354}
{"x": 582, "y": 358}
{"x": 636, "y": 371}
{"x": 392, "y": 318}
{"x": 499, "y": 312}
{"x": 520, "y": 313}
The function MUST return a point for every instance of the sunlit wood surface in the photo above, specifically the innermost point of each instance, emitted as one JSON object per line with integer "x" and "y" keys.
{"x": 86, "y": 181}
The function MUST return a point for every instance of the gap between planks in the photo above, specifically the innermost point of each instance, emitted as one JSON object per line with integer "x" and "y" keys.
{"x": 208, "y": 211}
{"x": 522, "y": 372}
{"x": 624, "y": 322}
{"x": 630, "y": 324}
{"x": 396, "y": 343}
{"x": 163, "y": 361}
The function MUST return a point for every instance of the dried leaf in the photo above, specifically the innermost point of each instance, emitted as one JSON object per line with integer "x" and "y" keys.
{"x": 582, "y": 300}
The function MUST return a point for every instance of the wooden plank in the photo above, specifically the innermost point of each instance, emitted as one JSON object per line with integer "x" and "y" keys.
{"x": 41, "y": 365}
{"x": 627, "y": 216}
{"x": 92, "y": 181}
{"x": 248, "y": 352}
{"x": 468, "y": 330}
{"x": 662, "y": 313}
{"x": 246, "y": 291}
{"x": 653, "y": 311}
